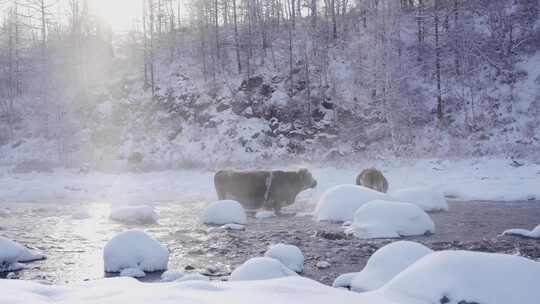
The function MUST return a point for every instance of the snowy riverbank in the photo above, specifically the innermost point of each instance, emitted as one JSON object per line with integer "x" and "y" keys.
{"x": 473, "y": 179}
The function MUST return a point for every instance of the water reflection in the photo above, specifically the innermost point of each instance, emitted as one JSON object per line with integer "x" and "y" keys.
{"x": 72, "y": 236}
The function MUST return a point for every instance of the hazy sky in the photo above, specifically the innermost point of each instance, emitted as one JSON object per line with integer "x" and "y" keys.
{"x": 119, "y": 13}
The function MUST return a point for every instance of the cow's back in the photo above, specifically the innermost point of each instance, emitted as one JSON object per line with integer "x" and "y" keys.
{"x": 374, "y": 179}
{"x": 246, "y": 187}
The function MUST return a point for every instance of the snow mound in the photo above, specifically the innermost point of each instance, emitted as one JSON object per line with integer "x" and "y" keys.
{"x": 263, "y": 214}
{"x": 469, "y": 277}
{"x": 289, "y": 255}
{"x": 134, "y": 215}
{"x": 383, "y": 266}
{"x": 262, "y": 268}
{"x": 193, "y": 277}
{"x": 233, "y": 227}
{"x": 11, "y": 253}
{"x": 132, "y": 272}
{"x": 290, "y": 290}
{"x": 134, "y": 249}
{"x": 383, "y": 219}
{"x": 171, "y": 276}
{"x": 339, "y": 203}
{"x": 423, "y": 197}
{"x": 535, "y": 233}
{"x": 323, "y": 265}
{"x": 224, "y": 212}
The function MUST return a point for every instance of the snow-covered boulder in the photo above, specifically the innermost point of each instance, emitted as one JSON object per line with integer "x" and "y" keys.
{"x": 224, "y": 212}
{"x": 134, "y": 215}
{"x": 339, "y": 203}
{"x": 171, "y": 276}
{"x": 134, "y": 249}
{"x": 383, "y": 266}
{"x": 263, "y": 214}
{"x": 289, "y": 255}
{"x": 233, "y": 227}
{"x": 468, "y": 277}
{"x": 323, "y": 265}
{"x": 11, "y": 253}
{"x": 262, "y": 268}
{"x": 535, "y": 233}
{"x": 426, "y": 198}
{"x": 132, "y": 272}
{"x": 383, "y": 219}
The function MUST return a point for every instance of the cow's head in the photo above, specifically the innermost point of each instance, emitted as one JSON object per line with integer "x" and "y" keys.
{"x": 307, "y": 179}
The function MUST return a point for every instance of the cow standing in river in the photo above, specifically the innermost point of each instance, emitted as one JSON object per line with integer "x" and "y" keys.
{"x": 263, "y": 189}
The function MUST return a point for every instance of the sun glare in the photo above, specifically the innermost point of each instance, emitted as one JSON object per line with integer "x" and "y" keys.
{"x": 120, "y": 14}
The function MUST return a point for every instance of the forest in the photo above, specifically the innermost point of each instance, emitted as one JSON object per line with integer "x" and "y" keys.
{"x": 207, "y": 82}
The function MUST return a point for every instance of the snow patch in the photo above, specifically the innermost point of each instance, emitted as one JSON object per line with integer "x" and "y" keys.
{"x": 424, "y": 197}
{"x": 132, "y": 272}
{"x": 171, "y": 276}
{"x": 263, "y": 214}
{"x": 195, "y": 276}
{"x": 323, "y": 265}
{"x": 261, "y": 268}
{"x": 233, "y": 227}
{"x": 383, "y": 219}
{"x": 535, "y": 233}
{"x": 224, "y": 212}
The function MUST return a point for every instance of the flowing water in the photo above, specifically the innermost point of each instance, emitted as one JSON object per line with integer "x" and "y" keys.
{"x": 72, "y": 236}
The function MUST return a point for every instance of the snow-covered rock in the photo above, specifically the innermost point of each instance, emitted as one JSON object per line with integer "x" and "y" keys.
{"x": 261, "y": 268}
{"x": 11, "y": 253}
{"x": 323, "y": 265}
{"x": 426, "y": 198}
{"x": 383, "y": 266}
{"x": 134, "y": 249}
{"x": 171, "y": 276}
{"x": 339, "y": 203}
{"x": 233, "y": 227}
{"x": 263, "y": 214}
{"x": 132, "y": 272}
{"x": 289, "y": 255}
{"x": 224, "y": 212}
{"x": 383, "y": 219}
{"x": 468, "y": 277}
{"x": 134, "y": 214}
{"x": 195, "y": 276}
{"x": 535, "y": 233}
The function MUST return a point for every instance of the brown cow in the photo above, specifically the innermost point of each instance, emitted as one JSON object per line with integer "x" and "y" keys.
{"x": 263, "y": 189}
{"x": 372, "y": 178}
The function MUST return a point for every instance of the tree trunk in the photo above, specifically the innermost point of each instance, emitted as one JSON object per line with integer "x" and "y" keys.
{"x": 236, "y": 43}
{"x": 438, "y": 64}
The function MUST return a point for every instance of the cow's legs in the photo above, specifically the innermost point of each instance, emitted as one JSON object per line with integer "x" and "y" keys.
{"x": 277, "y": 208}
